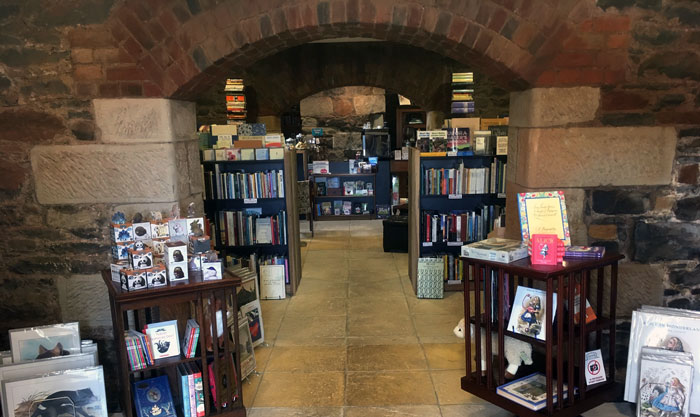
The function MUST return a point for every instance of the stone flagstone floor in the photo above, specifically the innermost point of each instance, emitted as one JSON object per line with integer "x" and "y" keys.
{"x": 355, "y": 341}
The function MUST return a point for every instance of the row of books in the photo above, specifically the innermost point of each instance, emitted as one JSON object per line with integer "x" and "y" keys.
{"x": 350, "y": 188}
{"x": 191, "y": 389}
{"x": 461, "y": 226}
{"x": 276, "y": 260}
{"x": 158, "y": 341}
{"x": 460, "y": 180}
{"x": 453, "y": 272}
{"x": 250, "y": 227}
{"x": 263, "y": 184}
{"x": 138, "y": 350}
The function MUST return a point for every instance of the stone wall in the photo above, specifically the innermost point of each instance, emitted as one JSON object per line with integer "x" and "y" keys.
{"x": 342, "y": 112}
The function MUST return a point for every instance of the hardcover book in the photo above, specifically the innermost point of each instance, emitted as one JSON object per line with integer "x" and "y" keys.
{"x": 530, "y": 391}
{"x": 496, "y": 250}
{"x": 528, "y": 315}
{"x": 152, "y": 398}
{"x": 592, "y": 252}
{"x": 164, "y": 339}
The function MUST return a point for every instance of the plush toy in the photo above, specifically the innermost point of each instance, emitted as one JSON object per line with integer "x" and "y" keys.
{"x": 517, "y": 351}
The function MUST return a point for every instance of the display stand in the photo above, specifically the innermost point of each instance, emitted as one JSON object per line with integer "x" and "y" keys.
{"x": 214, "y": 206}
{"x": 418, "y": 203}
{"x": 316, "y": 199}
{"x": 205, "y": 295}
{"x": 566, "y": 341}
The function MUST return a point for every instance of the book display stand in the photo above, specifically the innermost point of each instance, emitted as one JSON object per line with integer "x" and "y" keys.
{"x": 567, "y": 337}
{"x": 209, "y": 299}
{"x": 477, "y": 206}
{"x": 216, "y": 210}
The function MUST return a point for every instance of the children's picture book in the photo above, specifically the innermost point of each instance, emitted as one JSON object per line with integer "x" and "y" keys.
{"x": 665, "y": 380}
{"x": 529, "y": 312}
{"x": 152, "y": 398}
{"x": 667, "y": 328}
{"x": 543, "y": 212}
{"x": 530, "y": 391}
{"x": 164, "y": 339}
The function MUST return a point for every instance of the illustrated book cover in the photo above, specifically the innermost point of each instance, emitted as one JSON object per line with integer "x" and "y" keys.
{"x": 530, "y": 391}
{"x": 164, "y": 339}
{"x": 544, "y": 212}
{"x": 152, "y": 397}
{"x": 666, "y": 328}
{"x": 529, "y": 312}
{"x": 665, "y": 380}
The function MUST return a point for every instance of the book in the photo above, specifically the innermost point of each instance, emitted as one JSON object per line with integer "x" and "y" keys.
{"x": 183, "y": 391}
{"x": 528, "y": 315}
{"x": 198, "y": 388}
{"x": 665, "y": 382}
{"x": 530, "y": 391}
{"x": 272, "y": 282}
{"x": 496, "y": 250}
{"x": 189, "y": 343}
{"x": 667, "y": 328}
{"x": 164, "y": 339}
{"x": 152, "y": 398}
{"x": 263, "y": 230}
{"x": 588, "y": 252}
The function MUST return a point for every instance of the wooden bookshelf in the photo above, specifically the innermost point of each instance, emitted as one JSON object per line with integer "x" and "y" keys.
{"x": 370, "y": 199}
{"x": 269, "y": 206}
{"x": 420, "y": 203}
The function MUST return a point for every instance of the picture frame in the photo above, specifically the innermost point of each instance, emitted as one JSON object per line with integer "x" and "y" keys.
{"x": 248, "y": 296}
{"x": 24, "y": 370}
{"x": 83, "y": 388}
{"x": 247, "y": 352}
{"x": 42, "y": 342}
{"x": 544, "y": 212}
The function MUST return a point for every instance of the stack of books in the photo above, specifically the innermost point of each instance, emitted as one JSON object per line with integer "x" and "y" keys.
{"x": 138, "y": 350}
{"x": 584, "y": 252}
{"x": 235, "y": 101}
{"x": 191, "y": 389}
{"x": 189, "y": 343}
{"x": 462, "y": 93}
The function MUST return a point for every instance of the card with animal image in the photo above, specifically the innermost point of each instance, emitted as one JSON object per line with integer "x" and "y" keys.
{"x": 43, "y": 342}
{"x": 164, "y": 339}
{"x": 529, "y": 312}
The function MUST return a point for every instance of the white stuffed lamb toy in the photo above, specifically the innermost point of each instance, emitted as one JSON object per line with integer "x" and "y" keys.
{"x": 517, "y": 351}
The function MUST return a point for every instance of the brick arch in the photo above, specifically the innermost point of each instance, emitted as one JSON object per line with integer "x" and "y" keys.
{"x": 180, "y": 47}
{"x": 282, "y": 80}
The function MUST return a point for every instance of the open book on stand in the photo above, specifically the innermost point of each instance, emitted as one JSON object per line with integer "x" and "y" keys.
{"x": 530, "y": 391}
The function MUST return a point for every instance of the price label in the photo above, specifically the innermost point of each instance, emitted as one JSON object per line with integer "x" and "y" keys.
{"x": 453, "y": 153}
{"x": 454, "y": 243}
{"x": 250, "y": 201}
{"x": 455, "y": 196}
{"x": 427, "y": 244}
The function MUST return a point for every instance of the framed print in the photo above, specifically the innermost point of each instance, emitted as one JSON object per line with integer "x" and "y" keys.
{"x": 23, "y": 370}
{"x": 543, "y": 212}
{"x": 247, "y": 352}
{"x": 252, "y": 313}
{"x": 77, "y": 392}
{"x": 43, "y": 342}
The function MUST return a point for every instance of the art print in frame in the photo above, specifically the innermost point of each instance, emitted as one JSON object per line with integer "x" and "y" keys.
{"x": 247, "y": 353}
{"x": 43, "y": 342}
{"x": 77, "y": 392}
{"x": 544, "y": 212}
{"x": 252, "y": 313}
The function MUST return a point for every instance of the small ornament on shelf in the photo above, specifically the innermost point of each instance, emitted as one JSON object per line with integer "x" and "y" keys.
{"x": 118, "y": 218}
{"x": 156, "y": 216}
{"x": 138, "y": 217}
{"x": 175, "y": 211}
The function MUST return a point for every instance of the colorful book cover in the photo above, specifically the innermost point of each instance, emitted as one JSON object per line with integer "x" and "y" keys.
{"x": 152, "y": 398}
{"x": 665, "y": 382}
{"x": 184, "y": 390}
{"x": 543, "y": 212}
{"x": 528, "y": 315}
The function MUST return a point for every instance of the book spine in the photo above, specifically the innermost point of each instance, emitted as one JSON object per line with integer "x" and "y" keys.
{"x": 184, "y": 391}
{"x": 192, "y": 393}
{"x": 199, "y": 394}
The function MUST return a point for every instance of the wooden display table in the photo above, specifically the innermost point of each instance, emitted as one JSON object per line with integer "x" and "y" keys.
{"x": 206, "y": 296}
{"x": 566, "y": 341}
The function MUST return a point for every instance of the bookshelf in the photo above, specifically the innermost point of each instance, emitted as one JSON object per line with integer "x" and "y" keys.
{"x": 317, "y": 199}
{"x": 475, "y": 207}
{"x": 561, "y": 356}
{"x": 201, "y": 298}
{"x": 219, "y": 210}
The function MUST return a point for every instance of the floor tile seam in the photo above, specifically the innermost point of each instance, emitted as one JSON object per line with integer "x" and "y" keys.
{"x": 425, "y": 356}
{"x": 273, "y": 372}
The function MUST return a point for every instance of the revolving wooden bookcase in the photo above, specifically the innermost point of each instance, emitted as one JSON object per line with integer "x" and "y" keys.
{"x": 566, "y": 341}
{"x": 205, "y": 296}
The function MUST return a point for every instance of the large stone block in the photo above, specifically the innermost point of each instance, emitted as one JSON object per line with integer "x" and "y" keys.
{"x": 316, "y": 106}
{"x": 84, "y": 298}
{"x": 369, "y": 104}
{"x": 133, "y": 120}
{"x": 543, "y": 107}
{"x": 575, "y": 202}
{"x": 637, "y": 285}
{"x": 656, "y": 242}
{"x": 66, "y": 174}
{"x": 592, "y": 157}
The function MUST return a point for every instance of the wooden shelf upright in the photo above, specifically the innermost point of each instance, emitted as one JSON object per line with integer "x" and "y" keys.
{"x": 566, "y": 341}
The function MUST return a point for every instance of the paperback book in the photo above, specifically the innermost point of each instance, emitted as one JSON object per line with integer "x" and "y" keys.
{"x": 530, "y": 391}
{"x": 665, "y": 381}
{"x": 585, "y": 252}
{"x": 496, "y": 250}
{"x": 528, "y": 315}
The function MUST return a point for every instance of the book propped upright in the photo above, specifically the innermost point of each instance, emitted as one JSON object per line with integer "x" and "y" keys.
{"x": 530, "y": 391}
{"x": 528, "y": 315}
